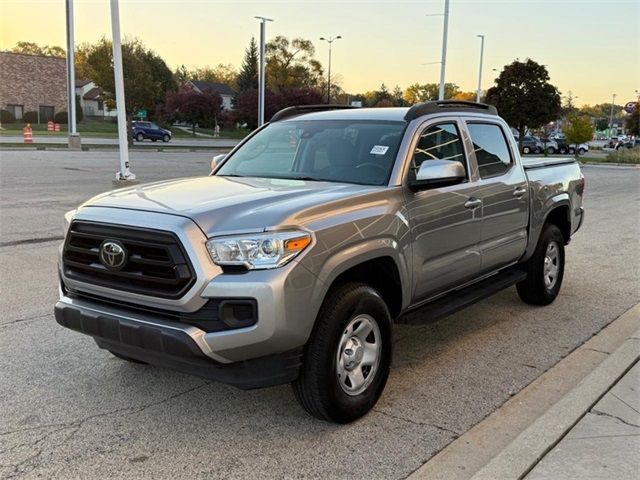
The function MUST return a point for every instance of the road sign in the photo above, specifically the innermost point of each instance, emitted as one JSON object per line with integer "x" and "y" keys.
{"x": 141, "y": 113}
{"x": 629, "y": 107}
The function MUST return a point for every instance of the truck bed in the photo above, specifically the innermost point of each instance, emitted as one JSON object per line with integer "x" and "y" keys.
{"x": 541, "y": 162}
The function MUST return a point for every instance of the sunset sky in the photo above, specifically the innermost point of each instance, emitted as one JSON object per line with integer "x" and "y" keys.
{"x": 590, "y": 47}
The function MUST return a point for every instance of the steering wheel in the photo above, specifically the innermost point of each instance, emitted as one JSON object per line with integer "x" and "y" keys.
{"x": 371, "y": 164}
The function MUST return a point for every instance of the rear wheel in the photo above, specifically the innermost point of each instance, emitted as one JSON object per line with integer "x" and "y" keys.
{"x": 545, "y": 269}
{"x": 140, "y": 137}
{"x": 581, "y": 151}
{"x": 526, "y": 150}
{"x": 348, "y": 356}
{"x": 551, "y": 150}
{"x": 572, "y": 151}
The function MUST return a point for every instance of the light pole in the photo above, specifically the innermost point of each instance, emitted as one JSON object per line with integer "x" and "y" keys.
{"x": 611, "y": 115}
{"x": 263, "y": 63}
{"x": 74, "y": 138}
{"x": 480, "y": 69}
{"x": 124, "y": 173}
{"x": 330, "y": 40}
{"x": 443, "y": 63}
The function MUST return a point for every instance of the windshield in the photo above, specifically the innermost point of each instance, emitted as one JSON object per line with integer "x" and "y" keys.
{"x": 350, "y": 151}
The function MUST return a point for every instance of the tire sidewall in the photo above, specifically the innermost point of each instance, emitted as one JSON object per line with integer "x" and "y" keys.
{"x": 362, "y": 300}
{"x": 550, "y": 234}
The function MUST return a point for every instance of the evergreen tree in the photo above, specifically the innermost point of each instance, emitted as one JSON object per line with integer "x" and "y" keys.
{"x": 248, "y": 76}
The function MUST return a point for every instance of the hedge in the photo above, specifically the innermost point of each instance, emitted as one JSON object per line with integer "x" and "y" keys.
{"x": 7, "y": 117}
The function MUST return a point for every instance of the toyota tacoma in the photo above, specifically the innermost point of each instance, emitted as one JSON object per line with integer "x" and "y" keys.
{"x": 292, "y": 261}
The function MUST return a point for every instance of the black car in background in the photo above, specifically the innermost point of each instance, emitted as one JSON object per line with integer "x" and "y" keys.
{"x": 149, "y": 130}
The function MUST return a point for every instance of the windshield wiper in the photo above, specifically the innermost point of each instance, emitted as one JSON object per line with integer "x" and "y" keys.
{"x": 230, "y": 175}
{"x": 310, "y": 179}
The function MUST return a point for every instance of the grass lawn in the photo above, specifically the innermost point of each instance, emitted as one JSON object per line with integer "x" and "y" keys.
{"x": 624, "y": 155}
{"x": 109, "y": 130}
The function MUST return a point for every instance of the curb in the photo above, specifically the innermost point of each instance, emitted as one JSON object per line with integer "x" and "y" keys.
{"x": 511, "y": 441}
{"x": 610, "y": 164}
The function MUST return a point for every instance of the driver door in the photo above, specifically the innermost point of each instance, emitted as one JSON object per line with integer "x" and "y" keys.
{"x": 445, "y": 221}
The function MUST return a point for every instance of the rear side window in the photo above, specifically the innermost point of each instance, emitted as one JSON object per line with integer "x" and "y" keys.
{"x": 492, "y": 152}
{"x": 439, "y": 142}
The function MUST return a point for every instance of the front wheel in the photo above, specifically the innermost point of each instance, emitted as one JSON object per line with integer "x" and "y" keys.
{"x": 526, "y": 150}
{"x": 581, "y": 151}
{"x": 166, "y": 138}
{"x": 545, "y": 269}
{"x": 348, "y": 356}
{"x": 572, "y": 151}
{"x": 551, "y": 150}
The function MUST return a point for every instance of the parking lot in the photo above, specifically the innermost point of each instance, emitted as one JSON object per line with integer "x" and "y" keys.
{"x": 72, "y": 410}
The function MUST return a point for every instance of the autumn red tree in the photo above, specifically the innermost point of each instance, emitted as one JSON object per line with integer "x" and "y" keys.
{"x": 187, "y": 105}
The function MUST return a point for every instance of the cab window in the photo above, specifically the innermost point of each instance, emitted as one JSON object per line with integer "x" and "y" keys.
{"x": 491, "y": 149}
{"x": 439, "y": 142}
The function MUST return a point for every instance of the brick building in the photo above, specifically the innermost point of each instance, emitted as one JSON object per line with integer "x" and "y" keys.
{"x": 33, "y": 83}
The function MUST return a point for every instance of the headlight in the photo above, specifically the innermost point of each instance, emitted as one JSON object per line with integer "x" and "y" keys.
{"x": 258, "y": 251}
{"x": 67, "y": 220}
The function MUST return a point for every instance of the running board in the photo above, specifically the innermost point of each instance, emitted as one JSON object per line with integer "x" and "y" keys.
{"x": 461, "y": 299}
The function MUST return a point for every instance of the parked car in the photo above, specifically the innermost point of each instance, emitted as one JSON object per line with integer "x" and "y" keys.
{"x": 530, "y": 144}
{"x": 581, "y": 148}
{"x": 149, "y": 130}
{"x": 292, "y": 261}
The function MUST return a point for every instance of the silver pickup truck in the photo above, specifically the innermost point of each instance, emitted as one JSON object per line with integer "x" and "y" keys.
{"x": 294, "y": 258}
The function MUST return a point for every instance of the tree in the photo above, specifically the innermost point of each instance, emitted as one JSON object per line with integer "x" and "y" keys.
{"x": 579, "y": 130}
{"x": 187, "y": 105}
{"x": 31, "y": 48}
{"x": 290, "y": 64}
{"x": 465, "y": 96}
{"x": 632, "y": 122}
{"x": 425, "y": 92}
{"x": 221, "y": 73}
{"x": 524, "y": 97}
{"x": 248, "y": 76}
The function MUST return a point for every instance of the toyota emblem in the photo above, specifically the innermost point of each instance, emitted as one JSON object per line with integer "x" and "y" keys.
{"x": 113, "y": 255}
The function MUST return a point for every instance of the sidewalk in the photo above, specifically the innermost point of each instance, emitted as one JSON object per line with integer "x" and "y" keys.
{"x": 605, "y": 443}
{"x": 579, "y": 420}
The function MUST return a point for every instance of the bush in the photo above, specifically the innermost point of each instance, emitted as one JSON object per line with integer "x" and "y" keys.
{"x": 625, "y": 155}
{"x": 30, "y": 117}
{"x": 7, "y": 117}
{"x": 61, "y": 117}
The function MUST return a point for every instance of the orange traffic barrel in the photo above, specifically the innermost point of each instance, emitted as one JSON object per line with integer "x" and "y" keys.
{"x": 27, "y": 134}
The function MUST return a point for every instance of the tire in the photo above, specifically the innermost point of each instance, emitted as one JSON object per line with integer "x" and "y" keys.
{"x": 166, "y": 138}
{"x": 139, "y": 137}
{"x": 572, "y": 151}
{"x": 581, "y": 151}
{"x": 128, "y": 359}
{"x": 349, "y": 308}
{"x": 526, "y": 150}
{"x": 543, "y": 282}
{"x": 551, "y": 150}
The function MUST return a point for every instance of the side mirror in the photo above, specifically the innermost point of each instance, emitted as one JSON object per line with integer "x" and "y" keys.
{"x": 215, "y": 161}
{"x": 438, "y": 173}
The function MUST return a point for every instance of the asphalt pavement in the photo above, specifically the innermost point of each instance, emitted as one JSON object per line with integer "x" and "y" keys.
{"x": 72, "y": 410}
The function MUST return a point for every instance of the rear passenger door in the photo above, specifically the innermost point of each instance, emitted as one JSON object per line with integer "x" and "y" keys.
{"x": 503, "y": 190}
{"x": 445, "y": 221}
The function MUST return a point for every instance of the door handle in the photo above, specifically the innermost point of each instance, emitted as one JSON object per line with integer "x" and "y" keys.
{"x": 519, "y": 192}
{"x": 472, "y": 203}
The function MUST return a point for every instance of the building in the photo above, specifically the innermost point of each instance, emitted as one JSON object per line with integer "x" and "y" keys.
{"x": 33, "y": 83}
{"x": 225, "y": 91}
{"x": 91, "y": 100}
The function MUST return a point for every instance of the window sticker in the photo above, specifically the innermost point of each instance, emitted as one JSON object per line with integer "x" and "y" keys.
{"x": 379, "y": 150}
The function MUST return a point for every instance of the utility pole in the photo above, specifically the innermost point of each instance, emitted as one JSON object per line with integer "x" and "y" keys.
{"x": 74, "y": 138}
{"x": 611, "y": 115}
{"x": 480, "y": 70}
{"x": 124, "y": 173}
{"x": 443, "y": 62}
{"x": 329, "y": 40}
{"x": 262, "y": 71}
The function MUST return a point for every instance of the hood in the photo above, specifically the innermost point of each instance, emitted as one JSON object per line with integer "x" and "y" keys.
{"x": 230, "y": 204}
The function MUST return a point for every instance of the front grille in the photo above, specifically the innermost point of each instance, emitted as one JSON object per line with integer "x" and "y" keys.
{"x": 156, "y": 263}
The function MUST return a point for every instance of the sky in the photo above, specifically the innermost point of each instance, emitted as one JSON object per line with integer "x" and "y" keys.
{"x": 590, "y": 47}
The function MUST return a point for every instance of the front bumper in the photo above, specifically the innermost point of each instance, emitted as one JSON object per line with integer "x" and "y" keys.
{"x": 171, "y": 345}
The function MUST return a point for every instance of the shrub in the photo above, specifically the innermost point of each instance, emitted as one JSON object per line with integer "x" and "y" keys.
{"x": 61, "y": 117}
{"x": 625, "y": 155}
{"x": 30, "y": 117}
{"x": 7, "y": 117}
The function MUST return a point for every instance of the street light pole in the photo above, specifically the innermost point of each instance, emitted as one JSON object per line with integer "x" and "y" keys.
{"x": 74, "y": 138}
{"x": 329, "y": 40}
{"x": 611, "y": 115}
{"x": 124, "y": 173}
{"x": 480, "y": 69}
{"x": 261, "y": 73}
{"x": 443, "y": 62}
